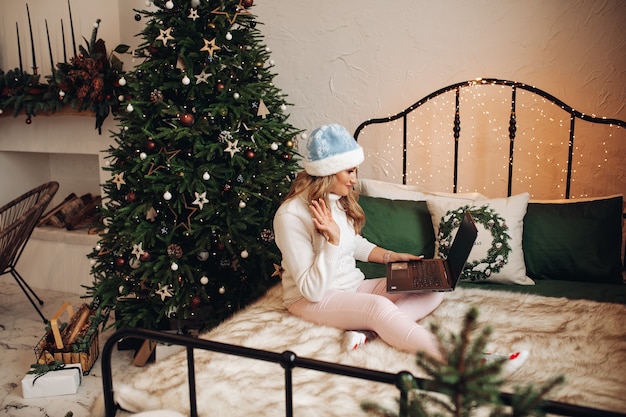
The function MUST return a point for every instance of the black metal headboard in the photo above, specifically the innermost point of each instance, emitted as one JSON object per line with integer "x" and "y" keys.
{"x": 512, "y": 124}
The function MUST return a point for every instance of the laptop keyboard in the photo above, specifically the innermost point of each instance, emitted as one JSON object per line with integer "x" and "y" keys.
{"x": 426, "y": 274}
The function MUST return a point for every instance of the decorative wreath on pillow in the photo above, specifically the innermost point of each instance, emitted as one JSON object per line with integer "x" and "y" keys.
{"x": 498, "y": 253}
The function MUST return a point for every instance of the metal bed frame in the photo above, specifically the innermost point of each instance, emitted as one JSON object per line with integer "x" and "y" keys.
{"x": 288, "y": 361}
{"x": 456, "y": 129}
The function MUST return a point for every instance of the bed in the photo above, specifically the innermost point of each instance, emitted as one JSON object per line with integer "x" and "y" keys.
{"x": 532, "y": 282}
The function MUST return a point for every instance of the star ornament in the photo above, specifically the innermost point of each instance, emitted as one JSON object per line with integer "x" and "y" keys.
{"x": 233, "y": 147}
{"x": 193, "y": 14}
{"x": 118, "y": 180}
{"x": 138, "y": 250}
{"x": 203, "y": 77}
{"x": 239, "y": 10}
{"x": 210, "y": 46}
{"x": 164, "y": 292}
{"x": 200, "y": 200}
{"x": 166, "y": 35}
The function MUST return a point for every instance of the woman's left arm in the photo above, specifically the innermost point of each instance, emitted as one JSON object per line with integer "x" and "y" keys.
{"x": 384, "y": 256}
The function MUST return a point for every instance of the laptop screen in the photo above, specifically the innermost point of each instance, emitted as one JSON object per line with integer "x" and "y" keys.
{"x": 462, "y": 246}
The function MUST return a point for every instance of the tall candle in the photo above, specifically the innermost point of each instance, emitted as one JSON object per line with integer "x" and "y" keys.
{"x": 49, "y": 48}
{"x": 19, "y": 47}
{"x": 63, "y": 36}
{"x": 72, "y": 27}
{"x": 32, "y": 42}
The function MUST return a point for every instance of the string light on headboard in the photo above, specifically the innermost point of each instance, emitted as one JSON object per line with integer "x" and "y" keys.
{"x": 512, "y": 138}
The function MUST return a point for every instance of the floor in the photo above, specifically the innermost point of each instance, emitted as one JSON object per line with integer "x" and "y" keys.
{"x": 20, "y": 330}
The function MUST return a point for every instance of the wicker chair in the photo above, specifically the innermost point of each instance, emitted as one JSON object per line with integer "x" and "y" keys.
{"x": 18, "y": 218}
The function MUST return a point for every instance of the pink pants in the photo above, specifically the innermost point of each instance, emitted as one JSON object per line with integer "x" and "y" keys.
{"x": 392, "y": 316}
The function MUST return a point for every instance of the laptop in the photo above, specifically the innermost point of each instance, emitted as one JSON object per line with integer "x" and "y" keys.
{"x": 434, "y": 274}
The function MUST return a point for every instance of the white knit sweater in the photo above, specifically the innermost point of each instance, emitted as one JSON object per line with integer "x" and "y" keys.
{"x": 311, "y": 265}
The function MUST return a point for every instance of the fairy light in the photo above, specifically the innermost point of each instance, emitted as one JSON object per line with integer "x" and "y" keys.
{"x": 540, "y": 146}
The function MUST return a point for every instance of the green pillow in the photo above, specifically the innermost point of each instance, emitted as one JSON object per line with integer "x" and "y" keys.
{"x": 574, "y": 240}
{"x": 397, "y": 225}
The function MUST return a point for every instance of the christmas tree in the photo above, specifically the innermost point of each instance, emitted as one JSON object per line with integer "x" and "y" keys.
{"x": 202, "y": 159}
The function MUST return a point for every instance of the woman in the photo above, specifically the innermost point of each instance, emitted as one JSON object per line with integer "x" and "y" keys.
{"x": 317, "y": 230}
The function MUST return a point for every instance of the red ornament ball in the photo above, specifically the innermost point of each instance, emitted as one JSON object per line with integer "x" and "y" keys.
{"x": 145, "y": 256}
{"x": 120, "y": 262}
{"x": 247, "y": 3}
{"x": 150, "y": 145}
{"x": 250, "y": 154}
{"x": 196, "y": 301}
{"x": 28, "y": 120}
{"x": 131, "y": 196}
{"x": 220, "y": 87}
{"x": 187, "y": 119}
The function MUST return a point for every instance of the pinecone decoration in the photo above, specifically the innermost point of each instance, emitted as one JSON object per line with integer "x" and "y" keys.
{"x": 267, "y": 236}
{"x": 174, "y": 251}
{"x": 156, "y": 96}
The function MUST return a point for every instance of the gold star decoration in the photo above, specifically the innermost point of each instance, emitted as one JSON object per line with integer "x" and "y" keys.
{"x": 118, "y": 179}
{"x": 169, "y": 154}
{"x": 200, "y": 200}
{"x": 232, "y": 147}
{"x": 164, "y": 292}
{"x": 193, "y": 14}
{"x": 210, "y": 46}
{"x": 239, "y": 10}
{"x": 278, "y": 271}
{"x": 203, "y": 77}
{"x": 186, "y": 212}
{"x": 137, "y": 250}
{"x": 166, "y": 35}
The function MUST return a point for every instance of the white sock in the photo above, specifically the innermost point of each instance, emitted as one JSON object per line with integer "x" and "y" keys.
{"x": 514, "y": 361}
{"x": 354, "y": 339}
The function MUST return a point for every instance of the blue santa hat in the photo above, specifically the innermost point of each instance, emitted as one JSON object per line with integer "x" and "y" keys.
{"x": 331, "y": 149}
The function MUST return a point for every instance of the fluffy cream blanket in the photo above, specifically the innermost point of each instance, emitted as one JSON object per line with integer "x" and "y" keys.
{"x": 583, "y": 340}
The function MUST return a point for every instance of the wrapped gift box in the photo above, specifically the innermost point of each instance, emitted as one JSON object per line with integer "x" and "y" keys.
{"x": 63, "y": 381}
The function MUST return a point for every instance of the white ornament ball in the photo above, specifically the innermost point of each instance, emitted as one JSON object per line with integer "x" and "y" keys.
{"x": 242, "y": 204}
{"x": 304, "y": 135}
{"x": 195, "y": 3}
{"x": 122, "y": 81}
{"x": 271, "y": 62}
{"x": 204, "y": 280}
{"x": 167, "y": 195}
{"x": 169, "y": 5}
{"x": 98, "y": 247}
{"x": 129, "y": 108}
{"x": 203, "y": 256}
{"x": 283, "y": 107}
{"x": 121, "y": 289}
{"x": 274, "y": 146}
{"x": 186, "y": 80}
{"x": 229, "y": 36}
{"x": 95, "y": 25}
{"x": 134, "y": 263}
{"x": 121, "y": 98}
{"x": 236, "y": 96}
{"x": 143, "y": 156}
{"x": 174, "y": 266}
{"x": 206, "y": 176}
{"x": 222, "y": 290}
{"x": 244, "y": 254}
{"x": 1, "y": 111}
{"x": 61, "y": 93}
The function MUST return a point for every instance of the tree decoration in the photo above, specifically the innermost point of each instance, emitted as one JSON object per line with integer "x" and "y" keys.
{"x": 198, "y": 157}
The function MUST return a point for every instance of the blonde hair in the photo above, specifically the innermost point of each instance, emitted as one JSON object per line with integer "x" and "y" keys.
{"x": 314, "y": 188}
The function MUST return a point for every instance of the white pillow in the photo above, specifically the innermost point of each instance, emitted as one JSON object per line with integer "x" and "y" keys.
{"x": 497, "y": 255}
{"x": 392, "y": 191}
